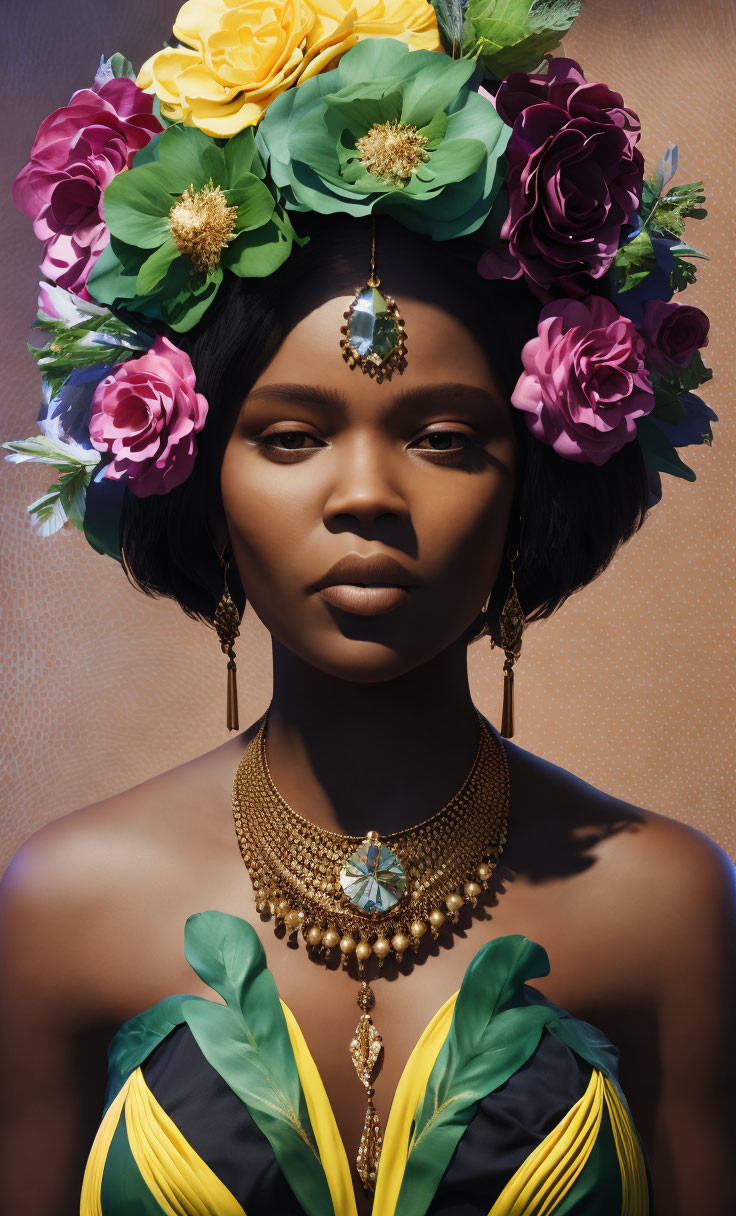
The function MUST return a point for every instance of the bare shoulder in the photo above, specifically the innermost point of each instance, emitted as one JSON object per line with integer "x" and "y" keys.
{"x": 656, "y": 881}
{"x": 76, "y": 894}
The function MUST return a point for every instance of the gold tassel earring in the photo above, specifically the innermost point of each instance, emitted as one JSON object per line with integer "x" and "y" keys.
{"x": 511, "y": 624}
{"x": 226, "y": 623}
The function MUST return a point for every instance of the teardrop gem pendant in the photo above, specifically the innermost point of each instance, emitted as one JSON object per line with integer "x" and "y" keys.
{"x": 365, "y": 1050}
{"x": 374, "y": 338}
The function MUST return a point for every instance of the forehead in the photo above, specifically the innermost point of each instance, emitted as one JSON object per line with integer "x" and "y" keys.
{"x": 441, "y": 350}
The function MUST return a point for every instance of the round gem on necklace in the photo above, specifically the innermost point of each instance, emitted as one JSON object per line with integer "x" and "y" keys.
{"x": 373, "y": 878}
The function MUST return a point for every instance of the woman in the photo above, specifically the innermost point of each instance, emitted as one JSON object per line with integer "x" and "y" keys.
{"x": 312, "y": 484}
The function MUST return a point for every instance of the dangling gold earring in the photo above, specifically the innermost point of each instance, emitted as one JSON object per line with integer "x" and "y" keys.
{"x": 226, "y": 623}
{"x": 511, "y": 624}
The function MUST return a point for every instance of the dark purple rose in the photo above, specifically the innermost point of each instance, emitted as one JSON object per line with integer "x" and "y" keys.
{"x": 78, "y": 149}
{"x": 673, "y": 333}
{"x": 575, "y": 178}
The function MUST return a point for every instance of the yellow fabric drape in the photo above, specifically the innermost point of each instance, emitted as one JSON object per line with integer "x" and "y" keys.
{"x": 549, "y": 1171}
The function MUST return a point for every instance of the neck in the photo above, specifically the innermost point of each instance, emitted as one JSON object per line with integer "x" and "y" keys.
{"x": 355, "y": 756}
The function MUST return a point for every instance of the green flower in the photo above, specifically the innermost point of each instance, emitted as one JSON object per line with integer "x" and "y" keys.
{"x": 390, "y": 130}
{"x": 186, "y": 210}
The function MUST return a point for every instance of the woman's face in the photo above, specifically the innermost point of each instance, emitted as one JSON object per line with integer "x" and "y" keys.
{"x": 323, "y": 462}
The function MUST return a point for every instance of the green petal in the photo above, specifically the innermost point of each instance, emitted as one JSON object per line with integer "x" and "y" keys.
{"x": 107, "y": 281}
{"x": 434, "y": 88}
{"x": 240, "y": 154}
{"x": 182, "y": 309}
{"x": 363, "y": 105}
{"x": 254, "y": 201}
{"x": 137, "y": 206}
{"x": 373, "y": 58}
{"x": 154, "y": 268}
{"x": 255, "y": 255}
{"x": 188, "y": 157}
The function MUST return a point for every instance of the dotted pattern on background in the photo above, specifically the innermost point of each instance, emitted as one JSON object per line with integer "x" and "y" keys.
{"x": 630, "y": 686}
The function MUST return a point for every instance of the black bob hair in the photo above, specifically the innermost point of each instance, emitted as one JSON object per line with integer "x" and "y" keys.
{"x": 574, "y": 515}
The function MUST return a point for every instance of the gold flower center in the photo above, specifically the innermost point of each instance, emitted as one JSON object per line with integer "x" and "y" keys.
{"x": 202, "y": 224}
{"x": 392, "y": 151}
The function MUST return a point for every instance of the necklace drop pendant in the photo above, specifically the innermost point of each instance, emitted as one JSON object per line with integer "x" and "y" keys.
{"x": 373, "y": 878}
{"x": 365, "y": 1050}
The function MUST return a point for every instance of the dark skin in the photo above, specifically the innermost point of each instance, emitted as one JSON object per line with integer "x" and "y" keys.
{"x": 372, "y": 726}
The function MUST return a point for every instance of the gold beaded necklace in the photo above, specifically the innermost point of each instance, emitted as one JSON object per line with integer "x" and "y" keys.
{"x": 371, "y": 894}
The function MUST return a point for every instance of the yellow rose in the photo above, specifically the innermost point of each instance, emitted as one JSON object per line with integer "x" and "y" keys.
{"x": 238, "y": 55}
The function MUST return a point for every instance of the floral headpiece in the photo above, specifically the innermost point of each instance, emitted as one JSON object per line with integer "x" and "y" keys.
{"x": 456, "y": 119}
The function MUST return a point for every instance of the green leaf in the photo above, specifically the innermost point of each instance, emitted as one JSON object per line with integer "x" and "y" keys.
{"x": 120, "y": 66}
{"x": 512, "y": 35}
{"x": 682, "y": 275}
{"x": 497, "y": 1024}
{"x": 667, "y": 404}
{"x": 450, "y": 21}
{"x": 633, "y": 262}
{"x": 155, "y": 267}
{"x": 659, "y": 453}
{"x": 245, "y": 1040}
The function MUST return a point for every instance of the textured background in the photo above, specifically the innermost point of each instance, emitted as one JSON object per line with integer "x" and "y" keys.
{"x": 630, "y": 686}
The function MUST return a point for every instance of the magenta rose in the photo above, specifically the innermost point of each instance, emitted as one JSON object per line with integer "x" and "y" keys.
{"x": 673, "y": 333}
{"x": 78, "y": 149}
{"x": 146, "y": 413}
{"x": 574, "y": 179}
{"x": 584, "y": 382}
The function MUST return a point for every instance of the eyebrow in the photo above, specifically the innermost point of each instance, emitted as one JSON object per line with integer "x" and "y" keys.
{"x": 408, "y": 399}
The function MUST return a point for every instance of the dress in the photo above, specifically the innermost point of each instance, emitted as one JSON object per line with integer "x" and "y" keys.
{"x": 508, "y": 1105}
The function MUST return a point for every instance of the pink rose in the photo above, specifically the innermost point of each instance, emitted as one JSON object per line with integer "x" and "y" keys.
{"x": 574, "y": 179}
{"x": 673, "y": 333}
{"x": 584, "y": 381}
{"x": 78, "y": 149}
{"x": 146, "y": 413}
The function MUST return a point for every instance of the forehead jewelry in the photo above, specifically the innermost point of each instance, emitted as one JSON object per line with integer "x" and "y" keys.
{"x": 370, "y": 895}
{"x": 374, "y": 338}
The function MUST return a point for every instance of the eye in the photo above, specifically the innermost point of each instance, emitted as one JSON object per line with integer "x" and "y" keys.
{"x": 440, "y": 441}
{"x": 281, "y": 442}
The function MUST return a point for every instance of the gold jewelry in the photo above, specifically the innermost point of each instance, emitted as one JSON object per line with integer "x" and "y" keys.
{"x": 226, "y": 622}
{"x": 511, "y": 624}
{"x": 370, "y": 895}
{"x": 374, "y": 335}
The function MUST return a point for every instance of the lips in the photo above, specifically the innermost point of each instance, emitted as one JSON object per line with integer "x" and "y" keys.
{"x": 366, "y": 586}
{"x": 377, "y": 569}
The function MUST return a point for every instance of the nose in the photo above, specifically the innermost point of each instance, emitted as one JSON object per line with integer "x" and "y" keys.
{"x": 366, "y": 484}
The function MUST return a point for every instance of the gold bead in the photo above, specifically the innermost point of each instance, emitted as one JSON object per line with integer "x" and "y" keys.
{"x": 436, "y": 918}
{"x": 347, "y": 945}
{"x": 400, "y": 942}
{"x": 381, "y": 947}
{"x": 484, "y": 872}
{"x": 293, "y": 920}
{"x": 283, "y": 908}
{"x": 454, "y": 903}
{"x": 372, "y": 837}
{"x": 330, "y": 938}
{"x": 418, "y": 928}
{"x": 314, "y": 936}
{"x": 472, "y": 890}
{"x": 363, "y": 950}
